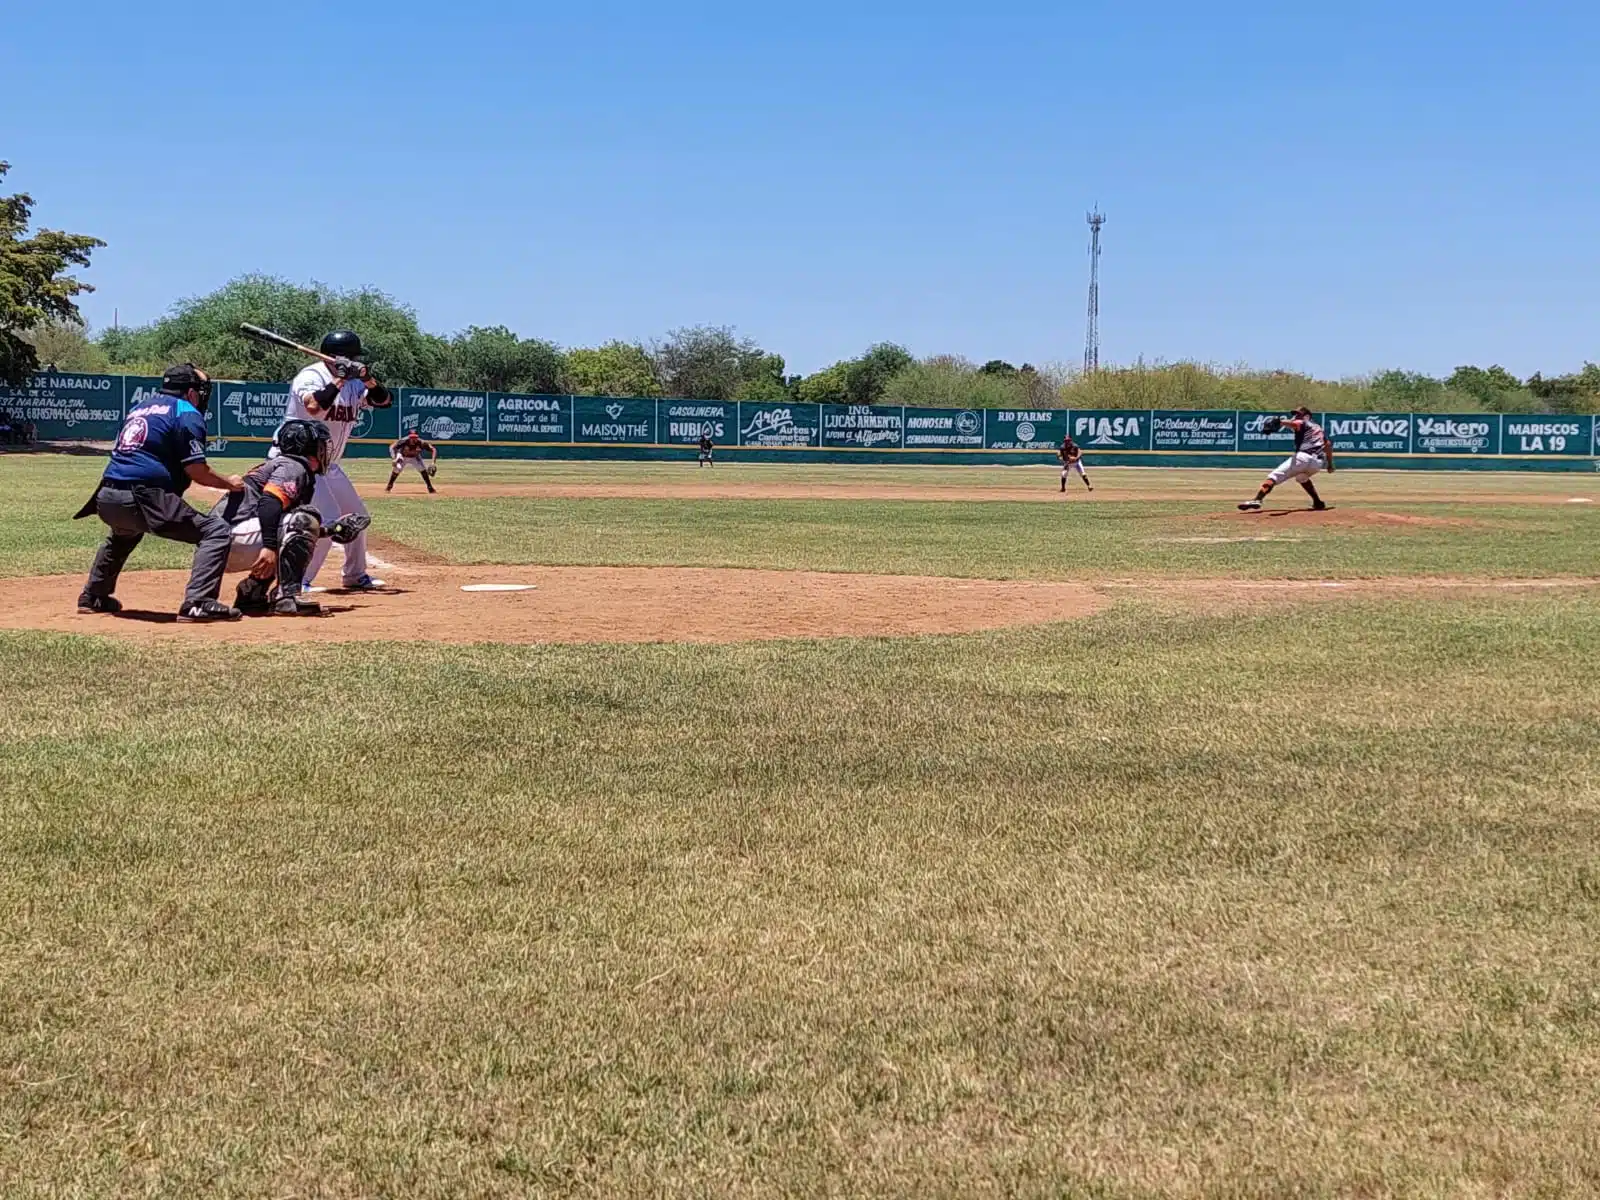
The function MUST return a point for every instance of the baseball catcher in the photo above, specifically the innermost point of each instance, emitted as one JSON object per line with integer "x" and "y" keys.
{"x": 408, "y": 452}
{"x": 276, "y": 527}
{"x": 1312, "y": 453}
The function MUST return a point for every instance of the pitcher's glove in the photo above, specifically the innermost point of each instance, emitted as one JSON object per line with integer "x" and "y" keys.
{"x": 346, "y": 529}
{"x": 1272, "y": 425}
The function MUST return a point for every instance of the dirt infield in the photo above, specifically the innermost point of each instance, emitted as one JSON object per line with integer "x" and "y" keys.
{"x": 576, "y": 604}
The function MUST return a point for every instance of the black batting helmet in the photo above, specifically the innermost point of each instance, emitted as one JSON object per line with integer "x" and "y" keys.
{"x": 342, "y": 343}
{"x": 305, "y": 439}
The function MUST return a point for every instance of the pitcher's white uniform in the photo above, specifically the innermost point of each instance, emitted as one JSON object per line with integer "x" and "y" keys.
{"x": 335, "y": 495}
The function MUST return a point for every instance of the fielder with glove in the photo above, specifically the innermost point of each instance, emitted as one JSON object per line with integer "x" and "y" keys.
{"x": 408, "y": 452}
{"x": 1312, "y": 453}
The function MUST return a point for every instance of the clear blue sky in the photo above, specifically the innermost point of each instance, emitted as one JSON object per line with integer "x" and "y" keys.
{"x": 1339, "y": 189}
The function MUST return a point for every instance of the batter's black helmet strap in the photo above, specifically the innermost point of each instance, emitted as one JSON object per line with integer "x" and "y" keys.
{"x": 342, "y": 343}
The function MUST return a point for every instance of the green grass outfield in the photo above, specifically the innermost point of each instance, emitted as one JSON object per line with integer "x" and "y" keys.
{"x": 1287, "y": 900}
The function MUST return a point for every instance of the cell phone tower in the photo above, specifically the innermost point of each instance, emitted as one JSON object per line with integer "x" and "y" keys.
{"x": 1091, "y": 342}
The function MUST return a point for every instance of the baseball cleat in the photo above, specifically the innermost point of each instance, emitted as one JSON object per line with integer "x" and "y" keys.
{"x": 1319, "y": 506}
{"x": 98, "y": 604}
{"x": 365, "y": 584}
{"x": 1250, "y": 506}
{"x": 295, "y": 605}
{"x": 208, "y": 610}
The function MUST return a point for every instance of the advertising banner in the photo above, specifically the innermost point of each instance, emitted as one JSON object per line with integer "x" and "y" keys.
{"x": 943, "y": 429}
{"x": 517, "y": 418}
{"x": 615, "y": 421}
{"x": 441, "y": 416}
{"x": 250, "y": 410}
{"x": 66, "y": 406}
{"x": 780, "y": 425}
{"x": 683, "y": 421}
{"x": 863, "y": 426}
{"x": 1021, "y": 429}
{"x": 1468, "y": 433}
{"x": 1111, "y": 428}
{"x": 1212, "y": 431}
{"x": 1368, "y": 433}
{"x": 1256, "y": 440}
{"x": 1561, "y": 435}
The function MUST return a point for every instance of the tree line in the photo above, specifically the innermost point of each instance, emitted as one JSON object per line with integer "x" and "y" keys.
{"x": 40, "y": 327}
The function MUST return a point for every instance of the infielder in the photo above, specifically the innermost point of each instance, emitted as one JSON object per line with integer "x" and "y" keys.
{"x": 275, "y": 526}
{"x": 1312, "y": 453}
{"x": 1071, "y": 455}
{"x": 336, "y": 395}
{"x": 408, "y": 452}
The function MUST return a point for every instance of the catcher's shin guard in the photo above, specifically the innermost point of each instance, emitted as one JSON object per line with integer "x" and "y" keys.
{"x": 297, "y": 539}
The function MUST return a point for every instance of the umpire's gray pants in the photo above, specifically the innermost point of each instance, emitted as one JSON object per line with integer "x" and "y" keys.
{"x": 131, "y": 511}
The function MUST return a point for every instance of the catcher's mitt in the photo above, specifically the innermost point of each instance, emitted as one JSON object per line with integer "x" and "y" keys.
{"x": 346, "y": 529}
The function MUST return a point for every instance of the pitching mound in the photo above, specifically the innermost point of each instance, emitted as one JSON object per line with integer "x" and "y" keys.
{"x": 1345, "y": 518}
{"x": 575, "y": 604}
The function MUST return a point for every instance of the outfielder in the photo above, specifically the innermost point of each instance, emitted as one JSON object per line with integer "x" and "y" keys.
{"x": 336, "y": 395}
{"x": 707, "y": 447}
{"x": 1071, "y": 455}
{"x": 1312, "y": 453}
{"x": 407, "y": 452}
{"x": 276, "y": 527}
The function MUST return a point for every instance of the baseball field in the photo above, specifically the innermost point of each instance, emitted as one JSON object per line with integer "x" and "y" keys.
{"x": 854, "y": 831}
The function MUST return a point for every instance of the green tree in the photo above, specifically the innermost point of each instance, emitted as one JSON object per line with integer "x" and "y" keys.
{"x": 1495, "y": 389}
{"x": 65, "y": 346}
{"x": 205, "y": 330}
{"x": 1408, "y": 391}
{"x": 948, "y": 381}
{"x": 1574, "y": 393}
{"x": 710, "y": 362}
{"x": 614, "y": 369}
{"x": 34, "y": 288}
{"x": 831, "y": 385}
{"x": 855, "y": 380}
{"x": 497, "y": 360}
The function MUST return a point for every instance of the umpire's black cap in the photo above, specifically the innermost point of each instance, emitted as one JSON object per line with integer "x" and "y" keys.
{"x": 180, "y": 377}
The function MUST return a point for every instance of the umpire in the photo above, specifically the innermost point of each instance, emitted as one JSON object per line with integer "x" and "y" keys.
{"x": 160, "y": 451}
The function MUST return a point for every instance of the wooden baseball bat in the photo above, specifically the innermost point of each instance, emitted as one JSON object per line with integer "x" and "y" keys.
{"x": 277, "y": 339}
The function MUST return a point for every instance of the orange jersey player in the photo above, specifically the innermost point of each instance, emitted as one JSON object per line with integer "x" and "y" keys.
{"x": 408, "y": 452}
{"x": 1071, "y": 455}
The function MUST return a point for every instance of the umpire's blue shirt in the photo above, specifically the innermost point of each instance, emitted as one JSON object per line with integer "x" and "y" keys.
{"x": 158, "y": 440}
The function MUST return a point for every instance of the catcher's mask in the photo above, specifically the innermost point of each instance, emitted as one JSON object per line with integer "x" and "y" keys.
{"x": 306, "y": 440}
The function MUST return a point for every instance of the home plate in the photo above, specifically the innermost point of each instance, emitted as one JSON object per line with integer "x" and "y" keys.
{"x": 497, "y": 587}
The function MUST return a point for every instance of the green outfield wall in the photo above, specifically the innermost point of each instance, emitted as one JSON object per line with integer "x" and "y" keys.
{"x": 67, "y": 407}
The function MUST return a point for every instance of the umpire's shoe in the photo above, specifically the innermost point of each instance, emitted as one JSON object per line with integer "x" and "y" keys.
{"x": 293, "y": 604}
{"x": 208, "y": 610}
{"x": 98, "y": 604}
